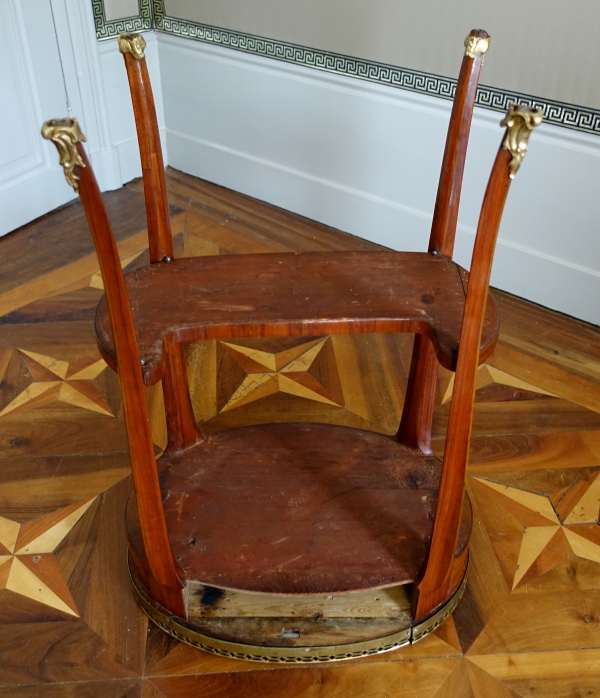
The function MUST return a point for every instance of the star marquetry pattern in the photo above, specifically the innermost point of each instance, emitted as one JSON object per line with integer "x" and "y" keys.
{"x": 547, "y": 541}
{"x": 579, "y": 503}
{"x": 27, "y": 564}
{"x": 487, "y": 375}
{"x": 287, "y": 371}
{"x": 54, "y": 380}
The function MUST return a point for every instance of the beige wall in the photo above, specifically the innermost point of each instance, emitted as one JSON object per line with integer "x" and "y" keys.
{"x": 118, "y": 9}
{"x": 547, "y": 48}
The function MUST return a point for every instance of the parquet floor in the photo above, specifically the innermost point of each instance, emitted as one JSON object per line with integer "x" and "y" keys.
{"x": 529, "y": 624}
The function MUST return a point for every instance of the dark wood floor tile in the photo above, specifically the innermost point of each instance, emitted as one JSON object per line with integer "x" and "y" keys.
{"x": 546, "y": 482}
{"x": 554, "y": 337}
{"x": 68, "y": 338}
{"x": 401, "y": 679}
{"x": 74, "y": 552}
{"x": 16, "y": 609}
{"x": 59, "y": 429}
{"x": 56, "y": 652}
{"x": 171, "y": 658}
{"x": 507, "y": 393}
{"x": 228, "y": 236}
{"x": 62, "y": 237}
{"x": 532, "y": 451}
{"x": 31, "y": 486}
{"x": 14, "y": 374}
{"x": 530, "y": 416}
{"x": 78, "y": 305}
{"x": 149, "y": 690}
{"x": 554, "y": 379}
{"x": 95, "y": 560}
{"x": 255, "y": 217}
{"x": 158, "y": 646}
{"x": 117, "y": 688}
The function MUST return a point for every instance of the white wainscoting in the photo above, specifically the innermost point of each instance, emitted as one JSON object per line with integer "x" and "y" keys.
{"x": 120, "y": 120}
{"x": 365, "y": 159}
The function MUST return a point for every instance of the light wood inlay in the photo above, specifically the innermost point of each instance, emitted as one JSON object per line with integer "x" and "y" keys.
{"x": 533, "y": 543}
{"x": 9, "y": 532}
{"x": 23, "y": 581}
{"x": 538, "y": 504}
{"x": 43, "y": 535}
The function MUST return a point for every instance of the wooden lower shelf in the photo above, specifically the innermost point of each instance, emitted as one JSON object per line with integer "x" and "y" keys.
{"x": 298, "y": 536}
{"x": 299, "y": 509}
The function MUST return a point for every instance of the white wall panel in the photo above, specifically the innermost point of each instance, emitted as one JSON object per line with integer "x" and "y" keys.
{"x": 116, "y": 96}
{"x": 366, "y": 159}
{"x": 52, "y": 66}
{"x": 32, "y": 90}
{"x": 18, "y": 108}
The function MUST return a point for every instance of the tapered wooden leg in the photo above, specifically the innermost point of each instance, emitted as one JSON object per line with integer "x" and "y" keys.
{"x": 170, "y": 597}
{"x": 437, "y": 586}
{"x": 417, "y": 415}
{"x": 182, "y": 429}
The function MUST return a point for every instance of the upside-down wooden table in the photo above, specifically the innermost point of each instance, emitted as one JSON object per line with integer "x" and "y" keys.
{"x": 298, "y": 542}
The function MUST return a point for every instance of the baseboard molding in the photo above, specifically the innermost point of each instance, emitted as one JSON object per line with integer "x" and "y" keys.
{"x": 365, "y": 159}
{"x": 316, "y": 198}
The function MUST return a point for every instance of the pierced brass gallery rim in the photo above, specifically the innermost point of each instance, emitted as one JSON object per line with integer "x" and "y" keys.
{"x": 179, "y": 629}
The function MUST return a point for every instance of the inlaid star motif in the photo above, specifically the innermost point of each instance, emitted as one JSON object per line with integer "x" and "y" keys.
{"x": 54, "y": 380}
{"x": 546, "y": 540}
{"x": 27, "y": 564}
{"x": 289, "y": 371}
{"x": 487, "y": 375}
{"x": 579, "y": 503}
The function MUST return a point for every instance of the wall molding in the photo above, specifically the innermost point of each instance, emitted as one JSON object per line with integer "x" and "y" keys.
{"x": 143, "y": 21}
{"x": 153, "y": 15}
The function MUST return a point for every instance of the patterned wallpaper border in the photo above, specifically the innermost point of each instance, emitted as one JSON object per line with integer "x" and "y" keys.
{"x": 108, "y": 30}
{"x": 152, "y": 15}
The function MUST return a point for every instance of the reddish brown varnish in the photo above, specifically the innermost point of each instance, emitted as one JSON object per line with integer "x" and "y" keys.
{"x": 433, "y": 587}
{"x": 272, "y": 508}
{"x": 182, "y": 430}
{"x": 415, "y": 427}
{"x": 153, "y": 169}
{"x": 307, "y": 294}
{"x": 292, "y": 508}
{"x": 268, "y": 508}
{"x": 165, "y": 581}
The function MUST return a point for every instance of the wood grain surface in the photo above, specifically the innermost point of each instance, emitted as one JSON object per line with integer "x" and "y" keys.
{"x": 230, "y": 530}
{"x": 303, "y": 295}
{"x": 536, "y": 637}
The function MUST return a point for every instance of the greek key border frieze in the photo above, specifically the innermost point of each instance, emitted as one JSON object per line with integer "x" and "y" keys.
{"x": 111, "y": 29}
{"x": 153, "y": 15}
